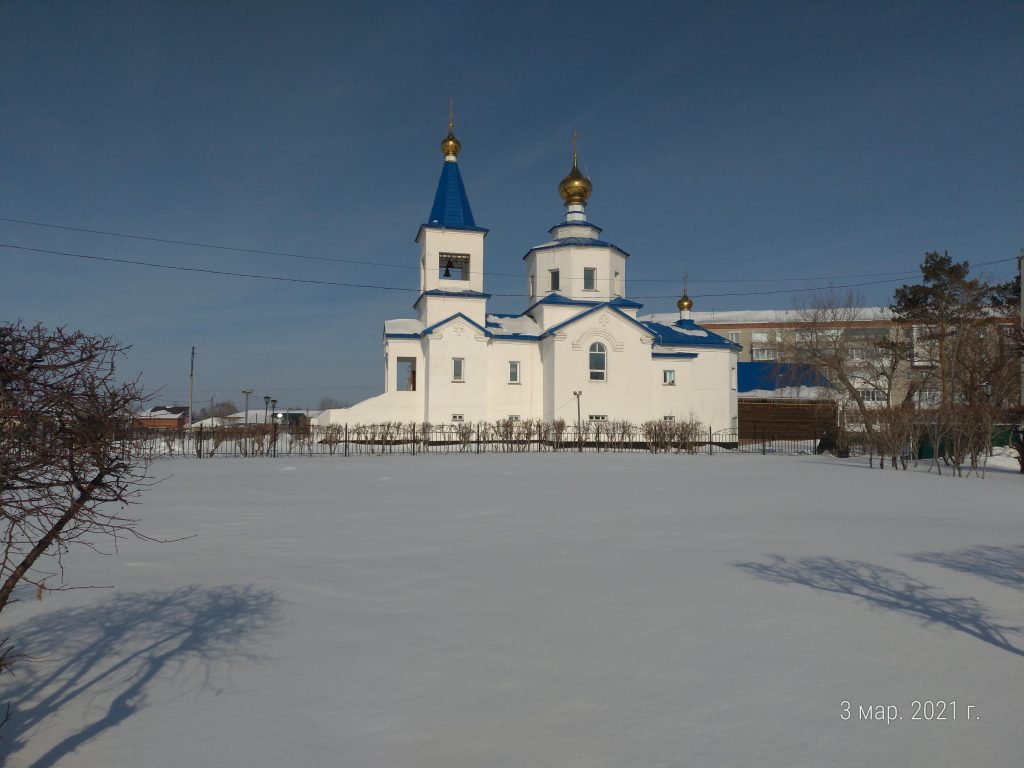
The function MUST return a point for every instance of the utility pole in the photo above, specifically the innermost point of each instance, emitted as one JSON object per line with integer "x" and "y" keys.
{"x": 579, "y": 422}
{"x": 191, "y": 371}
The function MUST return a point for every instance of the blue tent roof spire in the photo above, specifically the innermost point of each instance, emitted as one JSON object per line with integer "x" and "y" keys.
{"x": 451, "y": 204}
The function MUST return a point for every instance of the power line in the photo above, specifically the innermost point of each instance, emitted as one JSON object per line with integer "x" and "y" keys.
{"x": 196, "y": 244}
{"x": 211, "y": 271}
{"x": 363, "y": 262}
{"x": 371, "y": 286}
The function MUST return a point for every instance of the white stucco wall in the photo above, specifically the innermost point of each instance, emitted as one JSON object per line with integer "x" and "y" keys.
{"x": 570, "y": 261}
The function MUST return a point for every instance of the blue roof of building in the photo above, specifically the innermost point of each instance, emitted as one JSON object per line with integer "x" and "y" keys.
{"x": 578, "y": 242}
{"x": 452, "y": 294}
{"x": 770, "y": 375}
{"x": 685, "y": 333}
{"x": 451, "y": 203}
{"x": 575, "y": 224}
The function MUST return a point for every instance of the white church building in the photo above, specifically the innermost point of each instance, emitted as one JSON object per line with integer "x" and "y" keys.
{"x": 457, "y": 362}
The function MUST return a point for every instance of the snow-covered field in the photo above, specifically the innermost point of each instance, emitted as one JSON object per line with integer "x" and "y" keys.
{"x": 594, "y": 611}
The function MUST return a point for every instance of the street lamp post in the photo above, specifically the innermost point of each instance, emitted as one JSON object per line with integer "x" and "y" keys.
{"x": 247, "y": 392}
{"x": 579, "y": 422}
{"x": 273, "y": 417}
{"x": 266, "y": 405}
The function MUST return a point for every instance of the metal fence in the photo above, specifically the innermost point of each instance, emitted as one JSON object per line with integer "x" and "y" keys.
{"x": 269, "y": 441}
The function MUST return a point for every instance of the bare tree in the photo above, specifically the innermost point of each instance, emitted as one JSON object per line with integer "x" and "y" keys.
{"x": 68, "y": 465}
{"x": 861, "y": 361}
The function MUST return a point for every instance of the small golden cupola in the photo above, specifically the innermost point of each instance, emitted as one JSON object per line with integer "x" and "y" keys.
{"x": 685, "y": 303}
{"x": 450, "y": 145}
{"x": 575, "y": 188}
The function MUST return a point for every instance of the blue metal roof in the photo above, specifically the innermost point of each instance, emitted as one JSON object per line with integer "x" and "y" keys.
{"x": 452, "y": 294}
{"x": 575, "y": 224}
{"x": 489, "y": 334}
{"x": 577, "y": 242}
{"x": 676, "y": 335}
{"x": 754, "y": 376}
{"x": 451, "y": 204}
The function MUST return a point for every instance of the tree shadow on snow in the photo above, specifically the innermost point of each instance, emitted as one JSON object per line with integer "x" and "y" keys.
{"x": 887, "y": 588}
{"x": 1003, "y": 565}
{"x": 104, "y": 657}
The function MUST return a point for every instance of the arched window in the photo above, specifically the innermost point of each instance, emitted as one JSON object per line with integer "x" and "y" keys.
{"x": 598, "y": 361}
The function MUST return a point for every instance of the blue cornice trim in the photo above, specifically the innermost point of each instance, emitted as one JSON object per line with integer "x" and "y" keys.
{"x": 451, "y": 295}
{"x": 419, "y": 232}
{"x": 555, "y": 328}
{"x": 456, "y": 316}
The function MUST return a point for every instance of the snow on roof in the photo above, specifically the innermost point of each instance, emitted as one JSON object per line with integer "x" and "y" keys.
{"x": 512, "y": 326}
{"x": 684, "y": 333}
{"x": 789, "y": 393}
{"x": 752, "y": 316}
{"x": 161, "y": 413}
{"x": 403, "y": 325}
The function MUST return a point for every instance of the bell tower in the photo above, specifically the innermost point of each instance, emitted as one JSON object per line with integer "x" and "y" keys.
{"x": 451, "y": 246}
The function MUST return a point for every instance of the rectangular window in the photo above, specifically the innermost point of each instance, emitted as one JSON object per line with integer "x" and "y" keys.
{"x": 668, "y": 418}
{"x": 513, "y": 371}
{"x": 513, "y": 417}
{"x": 734, "y": 337}
{"x": 554, "y": 279}
{"x": 764, "y": 354}
{"x": 759, "y": 337}
{"x": 589, "y": 274}
{"x": 618, "y": 284}
{"x": 533, "y": 285}
{"x": 598, "y": 417}
{"x": 453, "y": 266}
{"x": 668, "y": 378}
{"x": 873, "y": 396}
{"x": 458, "y": 417}
{"x": 458, "y": 369}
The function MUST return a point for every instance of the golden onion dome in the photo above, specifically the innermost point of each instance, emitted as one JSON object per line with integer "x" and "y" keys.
{"x": 450, "y": 145}
{"x": 575, "y": 188}
{"x": 685, "y": 304}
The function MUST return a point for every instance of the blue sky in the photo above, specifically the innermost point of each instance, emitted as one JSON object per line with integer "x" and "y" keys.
{"x": 743, "y": 142}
